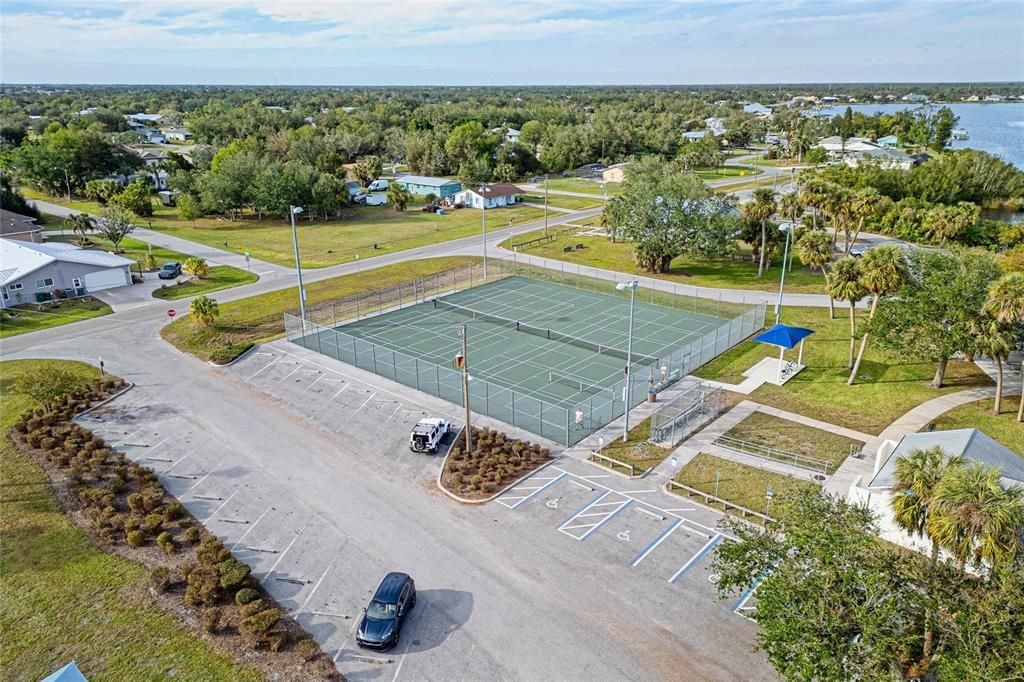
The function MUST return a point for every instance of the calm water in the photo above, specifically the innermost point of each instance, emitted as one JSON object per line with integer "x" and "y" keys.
{"x": 994, "y": 128}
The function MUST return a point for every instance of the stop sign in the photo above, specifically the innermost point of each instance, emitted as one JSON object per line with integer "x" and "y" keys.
{"x": 171, "y": 313}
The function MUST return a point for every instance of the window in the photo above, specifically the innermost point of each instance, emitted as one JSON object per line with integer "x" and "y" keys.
{"x": 15, "y": 287}
{"x": 44, "y": 283}
{"x": 77, "y": 282}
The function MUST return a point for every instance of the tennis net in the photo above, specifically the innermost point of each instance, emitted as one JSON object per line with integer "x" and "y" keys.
{"x": 577, "y": 384}
{"x": 544, "y": 333}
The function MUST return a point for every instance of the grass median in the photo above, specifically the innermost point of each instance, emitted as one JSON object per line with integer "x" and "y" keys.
{"x": 799, "y": 439}
{"x": 738, "y": 483}
{"x": 242, "y": 324}
{"x": 564, "y": 201}
{"x": 888, "y": 388}
{"x": 30, "y": 318}
{"x": 724, "y": 273}
{"x": 61, "y": 598}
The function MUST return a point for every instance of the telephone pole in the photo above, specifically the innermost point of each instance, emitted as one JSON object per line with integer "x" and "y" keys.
{"x": 461, "y": 360}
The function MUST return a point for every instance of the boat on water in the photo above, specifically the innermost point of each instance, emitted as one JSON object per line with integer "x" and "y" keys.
{"x": 960, "y": 134}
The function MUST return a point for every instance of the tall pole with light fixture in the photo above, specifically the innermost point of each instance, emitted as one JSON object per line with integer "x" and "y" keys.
{"x": 483, "y": 225}
{"x": 622, "y": 286}
{"x": 545, "y": 205}
{"x": 292, "y": 212}
{"x": 788, "y": 229}
{"x": 463, "y": 364}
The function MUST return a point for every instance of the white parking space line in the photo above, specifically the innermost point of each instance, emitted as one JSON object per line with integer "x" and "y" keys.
{"x": 655, "y": 542}
{"x": 297, "y": 535}
{"x": 179, "y": 461}
{"x": 708, "y": 546}
{"x": 316, "y": 585}
{"x": 393, "y": 413}
{"x": 595, "y": 519}
{"x": 265, "y": 367}
{"x": 249, "y": 529}
{"x": 281, "y": 380}
{"x": 585, "y": 487}
{"x": 535, "y": 491}
{"x": 221, "y": 506}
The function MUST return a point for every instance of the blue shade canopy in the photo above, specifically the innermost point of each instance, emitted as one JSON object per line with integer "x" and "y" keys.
{"x": 783, "y": 336}
{"x": 68, "y": 673}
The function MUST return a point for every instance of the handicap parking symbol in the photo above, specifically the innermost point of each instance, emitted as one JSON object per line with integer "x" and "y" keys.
{"x": 624, "y": 535}
{"x": 553, "y": 503}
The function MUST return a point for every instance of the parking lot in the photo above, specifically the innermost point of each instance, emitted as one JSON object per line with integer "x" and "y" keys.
{"x": 303, "y": 469}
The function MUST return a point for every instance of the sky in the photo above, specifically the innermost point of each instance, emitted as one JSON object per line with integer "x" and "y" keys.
{"x": 499, "y": 42}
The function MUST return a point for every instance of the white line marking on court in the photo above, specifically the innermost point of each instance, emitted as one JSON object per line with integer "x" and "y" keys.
{"x": 657, "y": 541}
{"x": 249, "y": 529}
{"x": 285, "y": 552}
{"x": 320, "y": 580}
{"x": 221, "y": 506}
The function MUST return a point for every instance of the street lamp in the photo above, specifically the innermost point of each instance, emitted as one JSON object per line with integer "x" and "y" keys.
{"x": 788, "y": 229}
{"x": 622, "y": 286}
{"x": 292, "y": 212}
{"x": 483, "y": 224}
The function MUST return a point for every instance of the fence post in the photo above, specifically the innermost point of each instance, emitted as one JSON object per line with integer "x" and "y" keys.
{"x": 512, "y": 398}
{"x": 373, "y": 353}
{"x": 416, "y": 367}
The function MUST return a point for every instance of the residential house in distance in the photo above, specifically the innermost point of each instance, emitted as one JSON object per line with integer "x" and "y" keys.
{"x": 178, "y": 134}
{"x": 971, "y": 444}
{"x": 694, "y": 135}
{"x": 757, "y": 109}
{"x": 143, "y": 118}
{"x": 511, "y": 134}
{"x": 883, "y": 157}
{"x": 837, "y": 147}
{"x": 19, "y": 227}
{"x": 32, "y": 272}
{"x": 915, "y": 98}
{"x": 889, "y": 141}
{"x": 152, "y": 135}
{"x": 994, "y": 98}
{"x": 715, "y": 125}
{"x": 423, "y": 185}
{"x": 614, "y": 173}
{"x": 489, "y": 196}
{"x": 151, "y": 158}
{"x": 590, "y": 170}
{"x": 829, "y": 100}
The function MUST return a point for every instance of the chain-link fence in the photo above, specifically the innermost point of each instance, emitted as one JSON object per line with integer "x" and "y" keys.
{"x": 513, "y": 405}
{"x": 678, "y": 418}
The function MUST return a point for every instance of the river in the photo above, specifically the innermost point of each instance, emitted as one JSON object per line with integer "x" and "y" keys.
{"x": 994, "y": 128}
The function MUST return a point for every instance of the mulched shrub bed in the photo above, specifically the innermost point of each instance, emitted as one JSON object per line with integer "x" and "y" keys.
{"x": 496, "y": 461}
{"x": 123, "y": 508}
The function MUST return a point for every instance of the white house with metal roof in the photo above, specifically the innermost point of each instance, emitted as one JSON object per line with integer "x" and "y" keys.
{"x": 971, "y": 444}
{"x": 30, "y": 273}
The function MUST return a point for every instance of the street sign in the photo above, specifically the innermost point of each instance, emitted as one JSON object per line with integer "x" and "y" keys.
{"x": 675, "y": 461}
{"x": 769, "y": 493}
{"x": 171, "y": 313}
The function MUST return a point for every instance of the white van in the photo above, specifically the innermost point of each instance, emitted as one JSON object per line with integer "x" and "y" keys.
{"x": 376, "y": 200}
{"x": 377, "y": 186}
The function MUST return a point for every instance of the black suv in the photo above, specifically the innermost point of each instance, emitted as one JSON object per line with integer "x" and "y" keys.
{"x": 169, "y": 270}
{"x": 383, "y": 618}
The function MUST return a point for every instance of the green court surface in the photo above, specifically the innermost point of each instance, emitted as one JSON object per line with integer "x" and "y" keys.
{"x": 547, "y": 357}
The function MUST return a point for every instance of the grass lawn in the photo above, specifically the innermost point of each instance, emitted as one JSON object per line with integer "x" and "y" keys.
{"x": 891, "y": 386}
{"x": 61, "y": 598}
{"x": 725, "y": 172}
{"x": 762, "y": 182}
{"x": 978, "y": 415}
{"x": 636, "y": 450}
{"x": 259, "y": 319}
{"x": 738, "y": 483}
{"x": 328, "y": 243}
{"x": 581, "y": 185}
{"x": 30, "y": 318}
{"x": 219, "y": 277}
{"x": 726, "y": 273}
{"x": 564, "y": 201}
{"x": 775, "y": 163}
{"x": 782, "y": 434}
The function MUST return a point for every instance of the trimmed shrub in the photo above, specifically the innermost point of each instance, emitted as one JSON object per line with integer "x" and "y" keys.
{"x": 117, "y": 485}
{"x": 135, "y": 538}
{"x": 173, "y": 511}
{"x": 160, "y": 578}
{"x": 165, "y": 542}
{"x": 152, "y": 498}
{"x": 246, "y": 595}
{"x": 191, "y": 535}
{"x": 252, "y": 608}
{"x": 233, "y": 574}
{"x": 211, "y": 620}
{"x": 255, "y": 627}
{"x": 135, "y": 502}
{"x": 212, "y": 551}
{"x": 307, "y": 649}
{"x": 131, "y": 523}
{"x": 152, "y": 522}
{"x": 203, "y": 587}
{"x": 277, "y": 640}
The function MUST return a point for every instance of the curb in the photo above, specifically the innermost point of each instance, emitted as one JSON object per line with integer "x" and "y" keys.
{"x": 103, "y": 402}
{"x": 494, "y": 496}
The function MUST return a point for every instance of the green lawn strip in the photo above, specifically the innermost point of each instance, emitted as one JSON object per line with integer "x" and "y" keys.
{"x": 258, "y": 319}
{"x": 581, "y": 185}
{"x": 789, "y": 436}
{"x": 323, "y": 243}
{"x": 738, "y": 483}
{"x": 725, "y": 172}
{"x": 725, "y": 273}
{"x": 219, "y": 277}
{"x": 763, "y": 182}
{"x": 63, "y": 599}
{"x": 32, "y": 317}
{"x": 978, "y": 415}
{"x": 889, "y": 387}
{"x": 564, "y": 201}
{"x": 651, "y": 455}
{"x": 775, "y": 163}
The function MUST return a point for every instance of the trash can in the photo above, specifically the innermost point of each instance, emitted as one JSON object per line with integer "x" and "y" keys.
{"x": 652, "y": 396}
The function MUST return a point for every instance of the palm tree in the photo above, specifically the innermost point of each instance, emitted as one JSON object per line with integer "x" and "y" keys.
{"x": 864, "y": 204}
{"x": 1006, "y": 304}
{"x": 80, "y": 224}
{"x": 837, "y": 208}
{"x": 761, "y": 209}
{"x": 993, "y": 340}
{"x": 883, "y": 270}
{"x": 195, "y": 266}
{"x": 845, "y": 285}
{"x": 815, "y": 249}
{"x": 975, "y": 517}
{"x": 917, "y": 475}
{"x": 204, "y": 310}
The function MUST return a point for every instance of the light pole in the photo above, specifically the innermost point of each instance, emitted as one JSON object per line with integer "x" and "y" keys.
{"x": 463, "y": 364}
{"x": 788, "y": 229}
{"x": 483, "y": 225}
{"x": 292, "y": 212}
{"x": 622, "y": 286}
{"x": 545, "y": 205}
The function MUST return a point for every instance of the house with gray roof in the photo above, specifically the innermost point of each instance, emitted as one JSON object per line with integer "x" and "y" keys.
{"x": 971, "y": 444}
{"x": 17, "y": 226}
{"x": 31, "y": 273}
{"x": 424, "y": 185}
